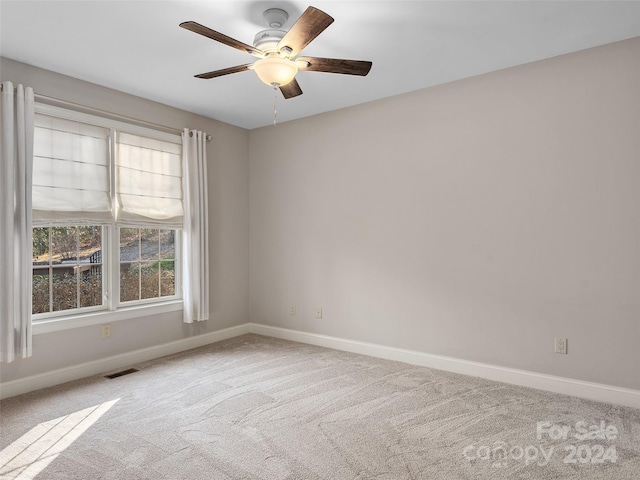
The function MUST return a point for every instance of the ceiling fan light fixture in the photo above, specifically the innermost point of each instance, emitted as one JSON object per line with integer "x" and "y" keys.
{"x": 275, "y": 71}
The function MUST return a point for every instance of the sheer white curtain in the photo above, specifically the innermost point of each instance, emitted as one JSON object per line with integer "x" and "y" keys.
{"x": 195, "y": 245}
{"x": 16, "y": 133}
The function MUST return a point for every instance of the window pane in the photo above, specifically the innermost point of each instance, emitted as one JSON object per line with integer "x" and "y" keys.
{"x": 90, "y": 266}
{"x": 63, "y": 244}
{"x": 149, "y": 280}
{"x": 90, "y": 242}
{"x": 129, "y": 282}
{"x": 40, "y": 261}
{"x": 167, "y": 262}
{"x": 168, "y": 244}
{"x": 40, "y": 294}
{"x": 91, "y": 287}
{"x": 167, "y": 278}
{"x": 149, "y": 243}
{"x": 129, "y": 244}
{"x": 65, "y": 288}
{"x": 40, "y": 245}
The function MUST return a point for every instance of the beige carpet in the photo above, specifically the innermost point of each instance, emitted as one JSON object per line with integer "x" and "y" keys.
{"x": 259, "y": 408}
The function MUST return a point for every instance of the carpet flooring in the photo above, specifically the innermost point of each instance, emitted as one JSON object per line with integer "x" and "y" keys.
{"x": 259, "y": 408}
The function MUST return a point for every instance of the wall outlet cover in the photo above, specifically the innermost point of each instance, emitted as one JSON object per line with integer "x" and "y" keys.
{"x": 561, "y": 345}
{"x": 106, "y": 331}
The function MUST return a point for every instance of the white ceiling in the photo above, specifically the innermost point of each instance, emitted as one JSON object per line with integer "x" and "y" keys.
{"x": 138, "y": 48}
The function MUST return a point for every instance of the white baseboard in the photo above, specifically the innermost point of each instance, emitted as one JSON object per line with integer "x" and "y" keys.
{"x": 566, "y": 386}
{"x": 96, "y": 367}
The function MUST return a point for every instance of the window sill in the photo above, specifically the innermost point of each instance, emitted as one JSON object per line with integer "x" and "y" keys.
{"x": 98, "y": 318}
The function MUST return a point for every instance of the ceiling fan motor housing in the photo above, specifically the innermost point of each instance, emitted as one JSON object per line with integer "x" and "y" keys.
{"x": 267, "y": 40}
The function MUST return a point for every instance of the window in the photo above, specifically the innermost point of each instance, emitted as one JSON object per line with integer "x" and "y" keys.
{"x": 147, "y": 263}
{"x": 67, "y": 268}
{"x": 107, "y": 213}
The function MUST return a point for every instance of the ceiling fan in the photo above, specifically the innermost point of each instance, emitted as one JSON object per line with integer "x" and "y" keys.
{"x": 277, "y": 50}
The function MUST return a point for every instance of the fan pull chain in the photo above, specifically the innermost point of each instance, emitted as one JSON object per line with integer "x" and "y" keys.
{"x": 275, "y": 110}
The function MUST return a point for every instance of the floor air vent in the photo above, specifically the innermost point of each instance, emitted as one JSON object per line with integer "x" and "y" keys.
{"x": 120, "y": 374}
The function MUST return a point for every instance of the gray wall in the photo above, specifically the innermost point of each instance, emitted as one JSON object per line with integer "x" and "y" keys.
{"x": 228, "y": 164}
{"x": 478, "y": 219}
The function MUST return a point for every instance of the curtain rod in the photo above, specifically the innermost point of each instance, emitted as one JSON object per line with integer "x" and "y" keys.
{"x": 105, "y": 113}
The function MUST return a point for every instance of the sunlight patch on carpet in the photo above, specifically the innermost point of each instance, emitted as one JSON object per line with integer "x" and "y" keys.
{"x": 30, "y": 454}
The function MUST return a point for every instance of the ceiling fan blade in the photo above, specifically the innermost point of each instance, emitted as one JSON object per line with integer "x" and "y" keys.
{"x": 310, "y": 24}
{"x": 334, "y": 65}
{"x": 291, "y": 89}
{"x": 222, "y": 38}
{"x": 224, "y": 71}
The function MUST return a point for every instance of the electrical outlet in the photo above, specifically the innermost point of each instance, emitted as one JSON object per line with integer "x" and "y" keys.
{"x": 106, "y": 331}
{"x": 561, "y": 345}
{"x": 293, "y": 309}
{"x": 319, "y": 312}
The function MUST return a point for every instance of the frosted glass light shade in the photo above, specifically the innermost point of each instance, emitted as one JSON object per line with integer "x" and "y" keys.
{"x": 275, "y": 71}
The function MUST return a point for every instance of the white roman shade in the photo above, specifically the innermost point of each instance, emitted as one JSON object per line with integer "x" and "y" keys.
{"x": 148, "y": 182}
{"x": 70, "y": 173}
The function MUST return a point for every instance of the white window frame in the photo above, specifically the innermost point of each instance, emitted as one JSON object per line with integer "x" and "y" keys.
{"x": 112, "y": 310}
